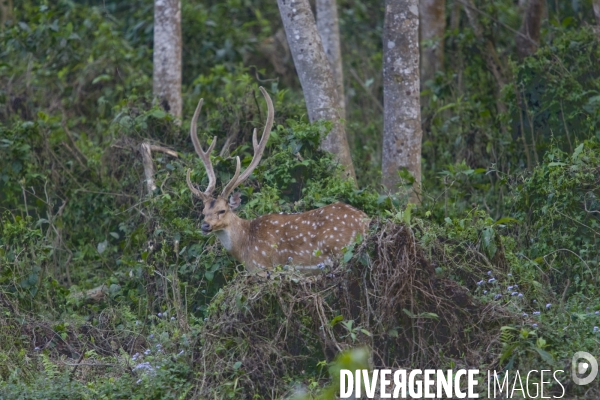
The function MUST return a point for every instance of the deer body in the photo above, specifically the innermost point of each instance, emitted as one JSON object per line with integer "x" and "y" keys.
{"x": 307, "y": 241}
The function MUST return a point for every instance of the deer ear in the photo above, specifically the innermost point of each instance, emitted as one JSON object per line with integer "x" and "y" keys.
{"x": 235, "y": 200}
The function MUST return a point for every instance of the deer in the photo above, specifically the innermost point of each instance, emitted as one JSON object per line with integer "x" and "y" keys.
{"x": 307, "y": 242}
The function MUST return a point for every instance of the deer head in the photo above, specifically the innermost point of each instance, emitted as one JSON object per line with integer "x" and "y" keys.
{"x": 217, "y": 211}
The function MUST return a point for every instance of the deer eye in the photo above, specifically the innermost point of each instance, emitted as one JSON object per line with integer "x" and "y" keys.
{"x": 222, "y": 212}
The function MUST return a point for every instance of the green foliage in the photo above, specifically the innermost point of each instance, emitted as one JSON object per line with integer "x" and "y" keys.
{"x": 557, "y": 206}
{"x": 508, "y": 196}
{"x": 53, "y": 63}
{"x": 559, "y": 91}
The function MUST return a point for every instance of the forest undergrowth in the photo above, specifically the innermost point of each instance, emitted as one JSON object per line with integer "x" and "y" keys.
{"x": 108, "y": 291}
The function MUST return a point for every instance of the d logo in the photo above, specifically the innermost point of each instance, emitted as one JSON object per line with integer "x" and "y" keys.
{"x": 580, "y": 368}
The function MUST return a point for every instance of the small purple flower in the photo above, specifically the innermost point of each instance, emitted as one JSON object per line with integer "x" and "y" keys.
{"x": 597, "y": 312}
{"x": 509, "y": 274}
{"x": 321, "y": 266}
{"x": 596, "y": 329}
{"x": 180, "y": 353}
{"x": 535, "y": 325}
{"x": 491, "y": 280}
{"x": 138, "y": 381}
{"x": 496, "y": 297}
{"x": 536, "y": 313}
{"x": 509, "y": 288}
{"x": 151, "y": 336}
{"x": 520, "y": 295}
{"x": 135, "y": 356}
{"x": 37, "y": 348}
{"x": 172, "y": 318}
{"x": 159, "y": 315}
{"x": 148, "y": 351}
{"x": 481, "y": 282}
{"x": 159, "y": 346}
{"x": 144, "y": 365}
{"x": 516, "y": 286}
{"x": 525, "y": 314}
{"x": 548, "y": 305}
{"x": 489, "y": 272}
{"x": 514, "y": 293}
{"x": 535, "y": 301}
{"x": 485, "y": 292}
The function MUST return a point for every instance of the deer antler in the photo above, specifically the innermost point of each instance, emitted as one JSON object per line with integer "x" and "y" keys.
{"x": 259, "y": 148}
{"x": 205, "y": 157}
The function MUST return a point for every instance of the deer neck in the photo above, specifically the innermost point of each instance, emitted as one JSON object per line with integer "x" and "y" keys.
{"x": 235, "y": 237}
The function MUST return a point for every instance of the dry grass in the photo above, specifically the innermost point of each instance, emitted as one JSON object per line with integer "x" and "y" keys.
{"x": 261, "y": 332}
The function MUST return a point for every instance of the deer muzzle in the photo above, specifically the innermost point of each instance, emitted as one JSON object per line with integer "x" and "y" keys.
{"x": 205, "y": 227}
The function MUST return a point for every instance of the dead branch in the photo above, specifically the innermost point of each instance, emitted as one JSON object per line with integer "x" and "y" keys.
{"x": 146, "y": 150}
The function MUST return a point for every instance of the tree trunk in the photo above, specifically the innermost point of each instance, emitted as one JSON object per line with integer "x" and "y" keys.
{"x": 167, "y": 55}
{"x": 528, "y": 38}
{"x": 596, "y": 6}
{"x": 315, "y": 76}
{"x": 432, "y": 27}
{"x": 329, "y": 30}
{"x": 6, "y": 12}
{"x": 488, "y": 52}
{"x": 455, "y": 15}
{"x": 402, "y": 110}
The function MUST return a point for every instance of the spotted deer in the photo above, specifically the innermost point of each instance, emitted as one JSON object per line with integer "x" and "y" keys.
{"x": 307, "y": 241}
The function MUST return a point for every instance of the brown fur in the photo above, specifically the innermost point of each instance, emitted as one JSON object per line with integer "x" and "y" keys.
{"x": 307, "y": 240}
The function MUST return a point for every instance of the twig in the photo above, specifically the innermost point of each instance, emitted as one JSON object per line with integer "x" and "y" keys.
{"x": 146, "y": 150}
{"x": 89, "y": 365}
{"x": 589, "y": 211}
{"x": 362, "y": 84}
{"x": 472, "y": 6}
{"x": 165, "y": 150}
{"x": 564, "y": 295}
{"x": 523, "y": 137}
{"x": 562, "y": 114}
{"x": 81, "y": 158}
{"x": 78, "y": 363}
{"x": 106, "y": 193}
{"x": 576, "y": 255}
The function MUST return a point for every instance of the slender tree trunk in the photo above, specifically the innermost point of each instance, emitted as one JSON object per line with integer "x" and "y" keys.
{"x": 596, "y": 7}
{"x": 401, "y": 94}
{"x": 528, "y": 38}
{"x": 329, "y": 30}
{"x": 167, "y": 55}
{"x": 6, "y": 12}
{"x": 488, "y": 52}
{"x": 432, "y": 27}
{"x": 455, "y": 15}
{"x": 522, "y": 6}
{"x": 315, "y": 76}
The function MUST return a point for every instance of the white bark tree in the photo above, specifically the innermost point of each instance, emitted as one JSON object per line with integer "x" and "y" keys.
{"x": 402, "y": 132}
{"x": 315, "y": 76}
{"x": 432, "y": 27}
{"x": 167, "y": 55}
{"x": 329, "y": 30}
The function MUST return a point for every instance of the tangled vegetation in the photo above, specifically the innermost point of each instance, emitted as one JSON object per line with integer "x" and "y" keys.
{"x": 107, "y": 291}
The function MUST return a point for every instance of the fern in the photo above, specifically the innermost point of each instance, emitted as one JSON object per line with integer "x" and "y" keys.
{"x": 50, "y": 369}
